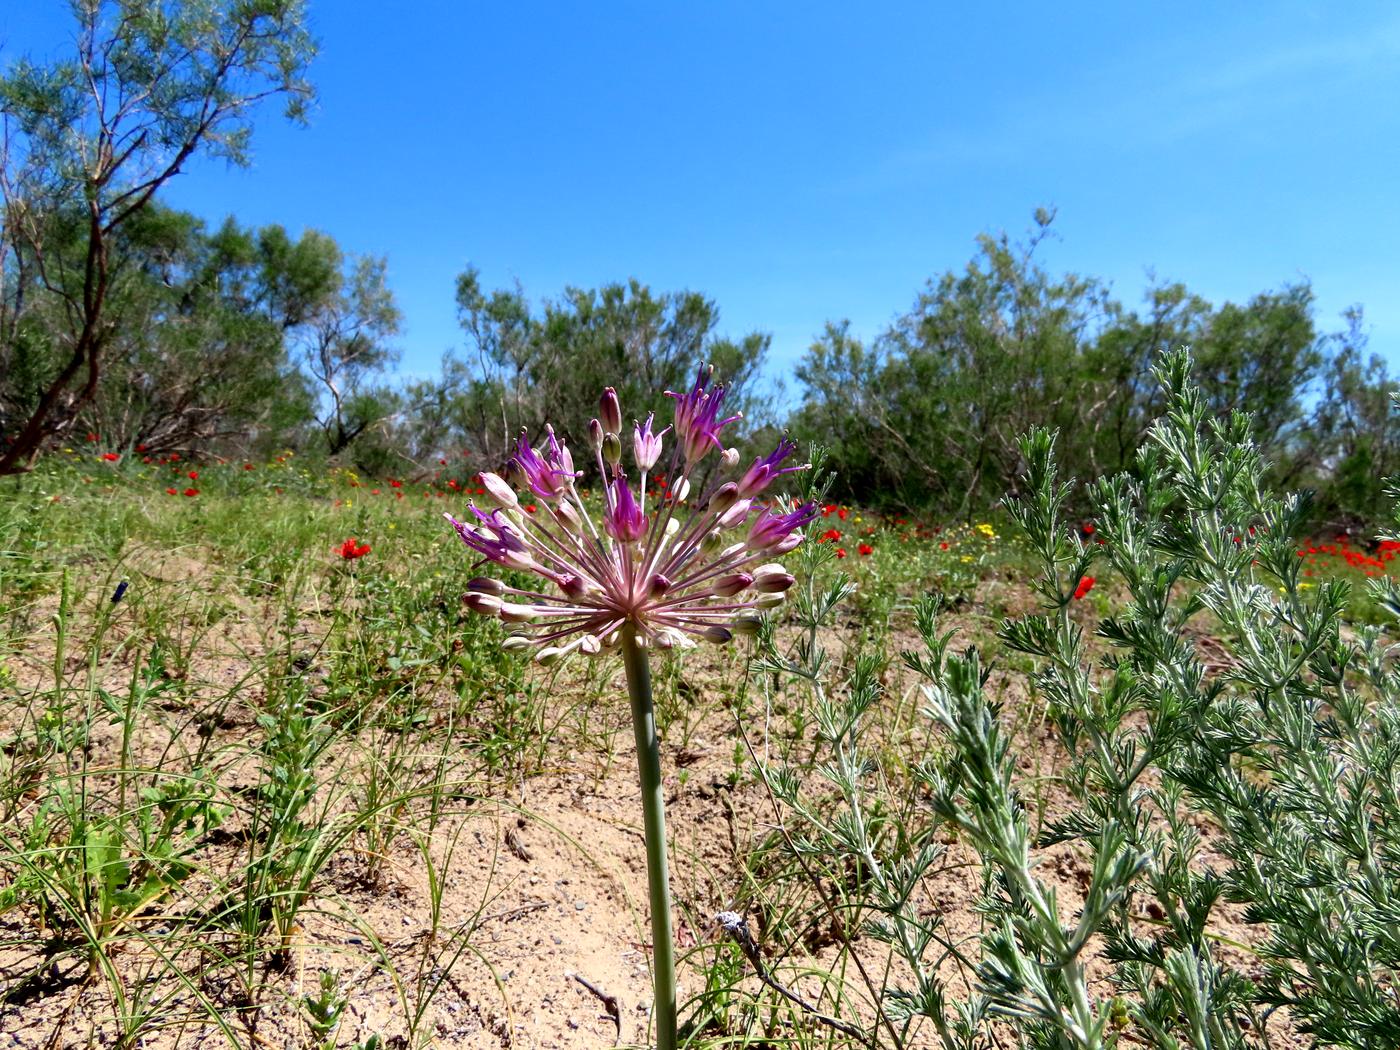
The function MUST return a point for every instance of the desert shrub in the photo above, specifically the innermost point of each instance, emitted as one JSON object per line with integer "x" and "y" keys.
{"x": 1252, "y": 779}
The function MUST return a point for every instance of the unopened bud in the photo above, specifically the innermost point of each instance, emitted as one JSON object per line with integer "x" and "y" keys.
{"x": 790, "y": 542}
{"x": 590, "y": 644}
{"x": 517, "y": 642}
{"x": 717, "y": 634}
{"x": 575, "y": 587}
{"x": 486, "y": 585}
{"x": 681, "y": 491}
{"x": 501, "y": 493}
{"x": 736, "y": 515}
{"x": 772, "y": 579}
{"x": 659, "y": 585}
{"x": 728, "y": 586}
{"x": 747, "y": 623}
{"x": 483, "y": 604}
{"x": 673, "y": 526}
{"x": 548, "y": 655}
{"x": 725, "y": 497}
{"x": 769, "y": 601}
{"x": 711, "y": 542}
{"x": 565, "y": 514}
{"x": 612, "y": 449}
{"x": 595, "y": 434}
{"x": 729, "y": 457}
{"x": 610, "y": 409}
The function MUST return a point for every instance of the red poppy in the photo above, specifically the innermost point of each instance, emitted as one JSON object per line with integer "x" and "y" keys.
{"x": 140, "y": 448}
{"x": 829, "y": 536}
{"x": 529, "y": 508}
{"x": 193, "y": 475}
{"x": 93, "y": 437}
{"x": 247, "y": 466}
{"x": 191, "y": 492}
{"x": 1086, "y": 584}
{"x": 110, "y": 457}
{"x": 840, "y": 552}
{"x": 943, "y": 546}
{"x": 395, "y": 484}
{"x": 172, "y": 492}
{"x": 1087, "y": 529}
{"x": 865, "y": 549}
{"x": 352, "y": 549}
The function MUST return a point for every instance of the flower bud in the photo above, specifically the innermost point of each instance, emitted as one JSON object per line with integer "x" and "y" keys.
{"x": 565, "y": 514}
{"x": 790, "y": 542}
{"x": 486, "y": 585}
{"x": 681, "y": 491}
{"x": 659, "y": 585}
{"x": 735, "y": 515}
{"x": 595, "y": 435}
{"x": 711, "y": 542}
{"x": 576, "y": 587}
{"x": 729, "y": 457}
{"x": 717, "y": 634}
{"x": 612, "y": 449}
{"x": 590, "y": 644}
{"x": 501, "y": 494}
{"x": 728, "y": 586}
{"x": 483, "y": 604}
{"x": 673, "y": 526}
{"x": 548, "y": 655}
{"x": 725, "y": 497}
{"x": 610, "y": 411}
{"x": 769, "y": 601}
{"x": 517, "y": 642}
{"x": 772, "y": 578}
{"x": 747, "y": 623}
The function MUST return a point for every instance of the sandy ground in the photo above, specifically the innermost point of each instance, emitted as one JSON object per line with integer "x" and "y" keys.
{"x": 542, "y": 904}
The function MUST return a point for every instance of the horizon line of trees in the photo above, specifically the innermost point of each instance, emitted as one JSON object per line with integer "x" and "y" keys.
{"x": 238, "y": 341}
{"x": 123, "y": 317}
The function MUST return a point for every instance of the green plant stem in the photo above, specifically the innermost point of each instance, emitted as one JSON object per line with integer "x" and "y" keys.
{"x": 654, "y": 823}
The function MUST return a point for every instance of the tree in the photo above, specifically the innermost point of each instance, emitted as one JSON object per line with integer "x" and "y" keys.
{"x": 344, "y": 339}
{"x": 88, "y": 141}
{"x": 550, "y": 365}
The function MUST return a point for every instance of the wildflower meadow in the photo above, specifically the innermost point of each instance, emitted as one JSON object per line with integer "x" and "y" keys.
{"x": 311, "y": 759}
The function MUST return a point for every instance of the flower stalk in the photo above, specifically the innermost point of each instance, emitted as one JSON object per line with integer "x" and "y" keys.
{"x": 654, "y": 825}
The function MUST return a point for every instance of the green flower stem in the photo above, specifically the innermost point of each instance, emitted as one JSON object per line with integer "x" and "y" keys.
{"x": 654, "y": 822}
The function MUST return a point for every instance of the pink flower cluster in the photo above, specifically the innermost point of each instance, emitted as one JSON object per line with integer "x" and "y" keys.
{"x": 698, "y": 565}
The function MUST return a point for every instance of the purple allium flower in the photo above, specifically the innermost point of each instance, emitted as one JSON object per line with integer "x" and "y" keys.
{"x": 623, "y": 520}
{"x": 696, "y": 566}
{"x": 759, "y": 476}
{"x": 697, "y": 422}
{"x": 548, "y": 471}
{"x": 646, "y": 446}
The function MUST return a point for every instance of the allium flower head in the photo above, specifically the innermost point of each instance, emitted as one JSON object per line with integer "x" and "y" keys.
{"x": 695, "y": 566}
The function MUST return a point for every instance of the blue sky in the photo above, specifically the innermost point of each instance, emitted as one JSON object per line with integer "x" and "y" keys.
{"x": 805, "y": 163}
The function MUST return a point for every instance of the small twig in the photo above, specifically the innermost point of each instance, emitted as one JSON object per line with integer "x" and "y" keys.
{"x": 737, "y": 927}
{"x": 515, "y": 913}
{"x": 610, "y": 1003}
